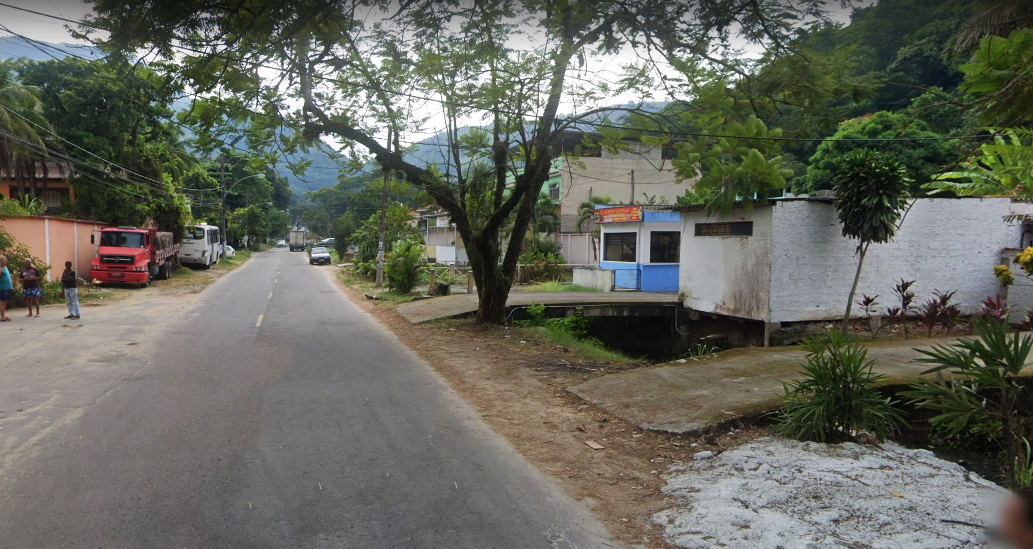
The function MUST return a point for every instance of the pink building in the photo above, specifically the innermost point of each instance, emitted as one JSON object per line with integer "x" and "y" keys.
{"x": 56, "y": 240}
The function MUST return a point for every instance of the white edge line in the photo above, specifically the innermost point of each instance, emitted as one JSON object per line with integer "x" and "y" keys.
{"x": 259, "y": 323}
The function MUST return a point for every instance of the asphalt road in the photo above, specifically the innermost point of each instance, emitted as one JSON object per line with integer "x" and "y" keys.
{"x": 268, "y": 412}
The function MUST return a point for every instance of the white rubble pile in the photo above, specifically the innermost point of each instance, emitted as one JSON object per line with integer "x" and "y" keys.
{"x": 781, "y": 493}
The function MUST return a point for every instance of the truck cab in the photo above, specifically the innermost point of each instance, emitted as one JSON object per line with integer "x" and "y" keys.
{"x": 128, "y": 255}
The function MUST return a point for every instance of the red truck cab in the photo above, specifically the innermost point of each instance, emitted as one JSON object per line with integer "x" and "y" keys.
{"x": 128, "y": 255}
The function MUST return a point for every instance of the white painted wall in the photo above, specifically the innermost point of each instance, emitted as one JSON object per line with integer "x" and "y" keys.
{"x": 594, "y": 277}
{"x": 944, "y": 244}
{"x": 727, "y": 275}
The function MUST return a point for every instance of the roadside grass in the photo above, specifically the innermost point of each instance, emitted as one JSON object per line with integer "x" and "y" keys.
{"x": 360, "y": 284}
{"x": 556, "y": 286}
{"x": 588, "y": 348}
{"x": 228, "y": 264}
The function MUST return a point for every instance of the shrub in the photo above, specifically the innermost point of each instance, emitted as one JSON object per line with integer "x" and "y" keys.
{"x": 985, "y": 384}
{"x": 835, "y": 399}
{"x": 540, "y": 267}
{"x": 405, "y": 266}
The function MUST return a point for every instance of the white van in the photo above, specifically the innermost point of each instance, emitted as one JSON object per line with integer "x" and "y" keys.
{"x": 200, "y": 246}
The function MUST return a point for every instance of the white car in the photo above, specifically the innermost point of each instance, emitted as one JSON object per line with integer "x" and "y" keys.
{"x": 281, "y": 243}
{"x": 319, "y": 255}
{"x": 228, "y": 252}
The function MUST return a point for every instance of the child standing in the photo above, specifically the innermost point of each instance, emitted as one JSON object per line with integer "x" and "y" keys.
{"x": 70, "y": 283}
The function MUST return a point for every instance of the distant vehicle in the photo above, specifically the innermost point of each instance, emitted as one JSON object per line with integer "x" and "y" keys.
{"x": 128, "y": 255}
{"x": 281, "y": 243}
{"x": 326, "y": 243}
{"x": 319, "y": 256}
{"x": 228, "y": 252}
{"x": 296, "y": 240}
{"x": 200, "y": 246}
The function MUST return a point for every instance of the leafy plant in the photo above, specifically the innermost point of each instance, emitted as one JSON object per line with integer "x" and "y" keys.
{"x": 939, "y": 310}
{"x": 984, "y": 384}
{"x": 536, "y": 310}
{"x": 1004, "y": 275}
{"x": 1022, "y": 472}
{"x": 1001, "y": 167}
{"x": 996, "y": 308}
{"x": 540, "y": 267}
{"x": 405, "y": 266}
{"x": 872, "y": 193}
{"x": 868, "y": 304}
{"x": 835, "y": 398}
{"x": 905, "y": 296}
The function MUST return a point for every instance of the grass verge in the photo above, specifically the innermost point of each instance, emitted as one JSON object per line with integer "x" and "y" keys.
{"x": 588, "y": 348}
{"x": 361, "y": 284}
{"x": 555, "y": 286}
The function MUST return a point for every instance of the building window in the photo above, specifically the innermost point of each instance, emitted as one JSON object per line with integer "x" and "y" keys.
{"x": 735, "y": 228}
{"x": 619, "y": 247}
{"x": 554, "y": 191}
{"x": 664, "y": 246}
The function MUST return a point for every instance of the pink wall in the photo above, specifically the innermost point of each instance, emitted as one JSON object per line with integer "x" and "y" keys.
{"x": 56, "y": 240}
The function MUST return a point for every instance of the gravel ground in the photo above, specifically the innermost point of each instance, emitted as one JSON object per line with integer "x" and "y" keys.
{"x": 781, "y": 493}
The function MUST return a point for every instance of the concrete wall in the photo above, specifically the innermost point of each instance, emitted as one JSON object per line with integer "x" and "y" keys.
{"x": 943, "y": 244}
{"x": 55, "y": 241}
{"x": 727, "y": 275}
{"x": 578, "y": 249}
{"x": 600, "y": 279}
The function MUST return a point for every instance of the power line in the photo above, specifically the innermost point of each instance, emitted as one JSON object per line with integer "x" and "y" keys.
{"x": 378, "y": 89}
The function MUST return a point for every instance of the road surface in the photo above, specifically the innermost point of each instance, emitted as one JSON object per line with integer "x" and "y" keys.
{"x": 268, "y": 411}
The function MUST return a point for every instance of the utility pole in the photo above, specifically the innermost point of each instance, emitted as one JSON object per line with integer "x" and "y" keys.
{"x": 222, "y": 185}
{"x": 383, "y": 219}
{"x": 632, "y": 187}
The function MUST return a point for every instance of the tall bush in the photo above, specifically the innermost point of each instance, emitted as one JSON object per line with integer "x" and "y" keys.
{"x": 985, "y": 385}
{"x": 405, "y": 266}
{"x": 835, "y": 398}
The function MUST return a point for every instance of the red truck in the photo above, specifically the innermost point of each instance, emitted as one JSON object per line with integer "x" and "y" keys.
{"x": 128, "y": 255}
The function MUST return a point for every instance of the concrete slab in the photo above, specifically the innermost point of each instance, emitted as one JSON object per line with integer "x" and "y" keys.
{"x": 458, "y": 305}
{"x": 695, "y": 396}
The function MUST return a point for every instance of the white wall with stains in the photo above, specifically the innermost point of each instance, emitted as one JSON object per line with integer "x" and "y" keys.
{"x": 943, "y": 244}
{"x": 727, "y": 275}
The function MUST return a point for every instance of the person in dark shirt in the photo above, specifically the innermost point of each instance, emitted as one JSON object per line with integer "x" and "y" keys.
{"x": 70, "y": 285}
{"x": 30, "y": 277}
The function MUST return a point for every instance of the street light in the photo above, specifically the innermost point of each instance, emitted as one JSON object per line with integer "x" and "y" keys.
{"x": 225, "y": 189}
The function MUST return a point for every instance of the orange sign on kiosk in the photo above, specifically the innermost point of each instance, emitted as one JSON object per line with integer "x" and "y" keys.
{"x": 623, "y": 214}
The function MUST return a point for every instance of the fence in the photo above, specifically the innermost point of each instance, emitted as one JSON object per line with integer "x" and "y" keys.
{"x": 56, "y": 240}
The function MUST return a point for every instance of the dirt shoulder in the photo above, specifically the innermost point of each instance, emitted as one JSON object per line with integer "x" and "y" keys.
{"x": 518, "y": 384}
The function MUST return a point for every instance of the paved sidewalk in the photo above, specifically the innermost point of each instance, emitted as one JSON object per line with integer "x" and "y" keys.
{"x": 694, "y": 396}
{"x": 450, "y": 306}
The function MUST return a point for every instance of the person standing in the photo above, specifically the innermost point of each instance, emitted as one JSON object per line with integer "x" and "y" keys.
{"x": 6, "y": 289}
{"x": 30, "y": 277}
{"x": 70, "y": 285}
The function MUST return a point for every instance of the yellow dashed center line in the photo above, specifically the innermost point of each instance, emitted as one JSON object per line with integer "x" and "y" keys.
{"x": 259, "y": 323}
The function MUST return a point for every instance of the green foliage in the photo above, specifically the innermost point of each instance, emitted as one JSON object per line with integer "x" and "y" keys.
{"x": 342, "y": 230}
{"x": 984, "y": 385}
{"x": 11, "y": 209}
{"x": 1022, "y": 471}
{"x": 871, "y": 194}
{"x": 21, "y": 121}
{"x": 252, "y": 222}
{"x": 1000, "y": 79}
{"x": 405, "y": 266}
{"x": 586, "y": 210}
{"x": 540, "y": 267}
{"x": 921, "y": 158}
{"x": 1003, "y": 166}
{"x": 401, "y": 226}
{"x": 118, "y": 112}
{"x": 835, "y": 399}
{"x": 736, "y": 167}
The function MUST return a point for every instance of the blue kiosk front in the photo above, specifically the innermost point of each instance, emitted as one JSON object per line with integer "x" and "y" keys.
{"x": 641, "y": 245}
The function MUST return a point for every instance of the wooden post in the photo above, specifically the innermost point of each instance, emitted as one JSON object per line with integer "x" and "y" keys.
{"x": 452, "y": 273}
{"x": 469, "y": 282}
{"x": 433, "y": 278}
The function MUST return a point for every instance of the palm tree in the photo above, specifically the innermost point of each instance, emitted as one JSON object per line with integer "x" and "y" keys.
{"x": 586, "y": 211}
{"x": 21, "y": 115}
{"x": 994, "y": 18}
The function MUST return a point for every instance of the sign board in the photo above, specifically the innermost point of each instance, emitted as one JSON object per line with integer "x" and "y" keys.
{"x": 624, "y": 214}
{"x": 441, "y": 221}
